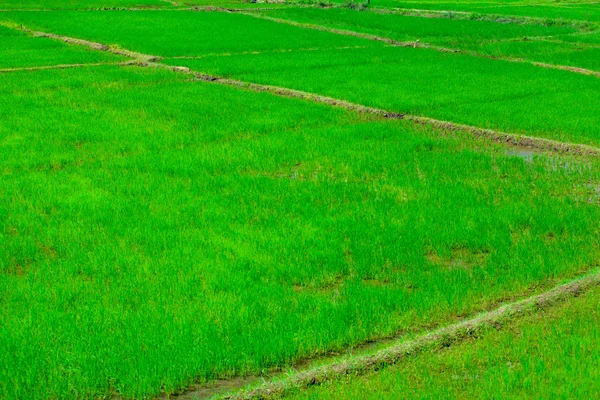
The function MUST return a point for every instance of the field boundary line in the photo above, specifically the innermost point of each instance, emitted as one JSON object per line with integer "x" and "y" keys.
{"x": 343, "y": 32}
{"x": 402, "y": 349}
{"x": 138, "y": 57}
{"x": 418, "y": 44}
{"x": 409, "y": 12}
{"x": 509, "y": 139}
{"x": 487, "y": 17}
{"x": 98, "y": 46}
{"x": 145, "y": 60}
{"x": 244, "y": 53}
{"x": 576, "y": 70}
{"x": 580, "y": 25}
{"x": 61, "y": 66}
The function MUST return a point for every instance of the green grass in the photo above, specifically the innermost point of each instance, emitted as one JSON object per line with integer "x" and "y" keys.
{"x": 76, "y": 4}
{"x": 179, "y": 33}
{"x": 20, "y": 50}
{"x": 553, "y": 12}
{"x": 548, "y": 356}
{"x": 57, "y": 5}
{"x": 487, "y": 93}
{"x": 590, "y": 39}
{"x": 567, "y": 54}
{"x": 482, "y": 37}
{"x": 494, "y": 94}
{"x": 155, "y": 231}
{"x": 406, "y": 28}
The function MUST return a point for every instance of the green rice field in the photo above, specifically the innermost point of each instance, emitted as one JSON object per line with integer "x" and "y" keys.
{"x": 196, "y": 193}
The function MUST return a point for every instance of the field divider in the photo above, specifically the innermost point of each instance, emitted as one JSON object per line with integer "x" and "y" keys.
{"x": 402, "y": 349}
{"x": 146, "y": 60}
{"x": 418, "y": 44}
{"x": 509, "y": 139}
{"x": 487, "y": 17}
{"x": 275, "y": 51}
{"x": 137, "y": 57}
{"x": 343, "y": 32}
{"x": 98, "y": 46}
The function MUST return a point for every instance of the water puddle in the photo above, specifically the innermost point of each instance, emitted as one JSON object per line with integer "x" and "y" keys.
{"x": 526, "y": 153}
{"x": 553, "y": 162}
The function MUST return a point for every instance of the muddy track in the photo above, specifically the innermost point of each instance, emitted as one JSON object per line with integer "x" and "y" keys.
{"x": 400, "y": 350}
{"x": 418, "y": 44}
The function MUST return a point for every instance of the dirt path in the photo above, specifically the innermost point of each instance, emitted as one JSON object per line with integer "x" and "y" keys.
{"x": 489, "y": 17}
{"x": 393, "y": 351}
{"x": 330, "y": 30}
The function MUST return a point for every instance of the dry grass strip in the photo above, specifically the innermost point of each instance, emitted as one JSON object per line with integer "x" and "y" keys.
{"x": 576, "y": 70}
{"x": 441, "y": 338}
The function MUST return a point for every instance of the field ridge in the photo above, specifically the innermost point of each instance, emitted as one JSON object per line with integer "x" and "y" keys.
{"x": 418, "y": 44}
{"x": 396, "y": 352}
{"x": 146, "y": 60}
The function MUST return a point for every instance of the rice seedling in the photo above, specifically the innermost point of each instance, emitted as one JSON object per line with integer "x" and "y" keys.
{"x": 20, "y": 51}
{"x": 549, "y": 355}
{"x": 158, "y": 231}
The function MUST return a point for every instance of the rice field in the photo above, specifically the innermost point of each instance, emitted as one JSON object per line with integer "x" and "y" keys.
{"x": 195, "y": 195}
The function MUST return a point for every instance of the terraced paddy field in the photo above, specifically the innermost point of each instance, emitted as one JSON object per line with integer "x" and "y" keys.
{"x": 196, "y": 197}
